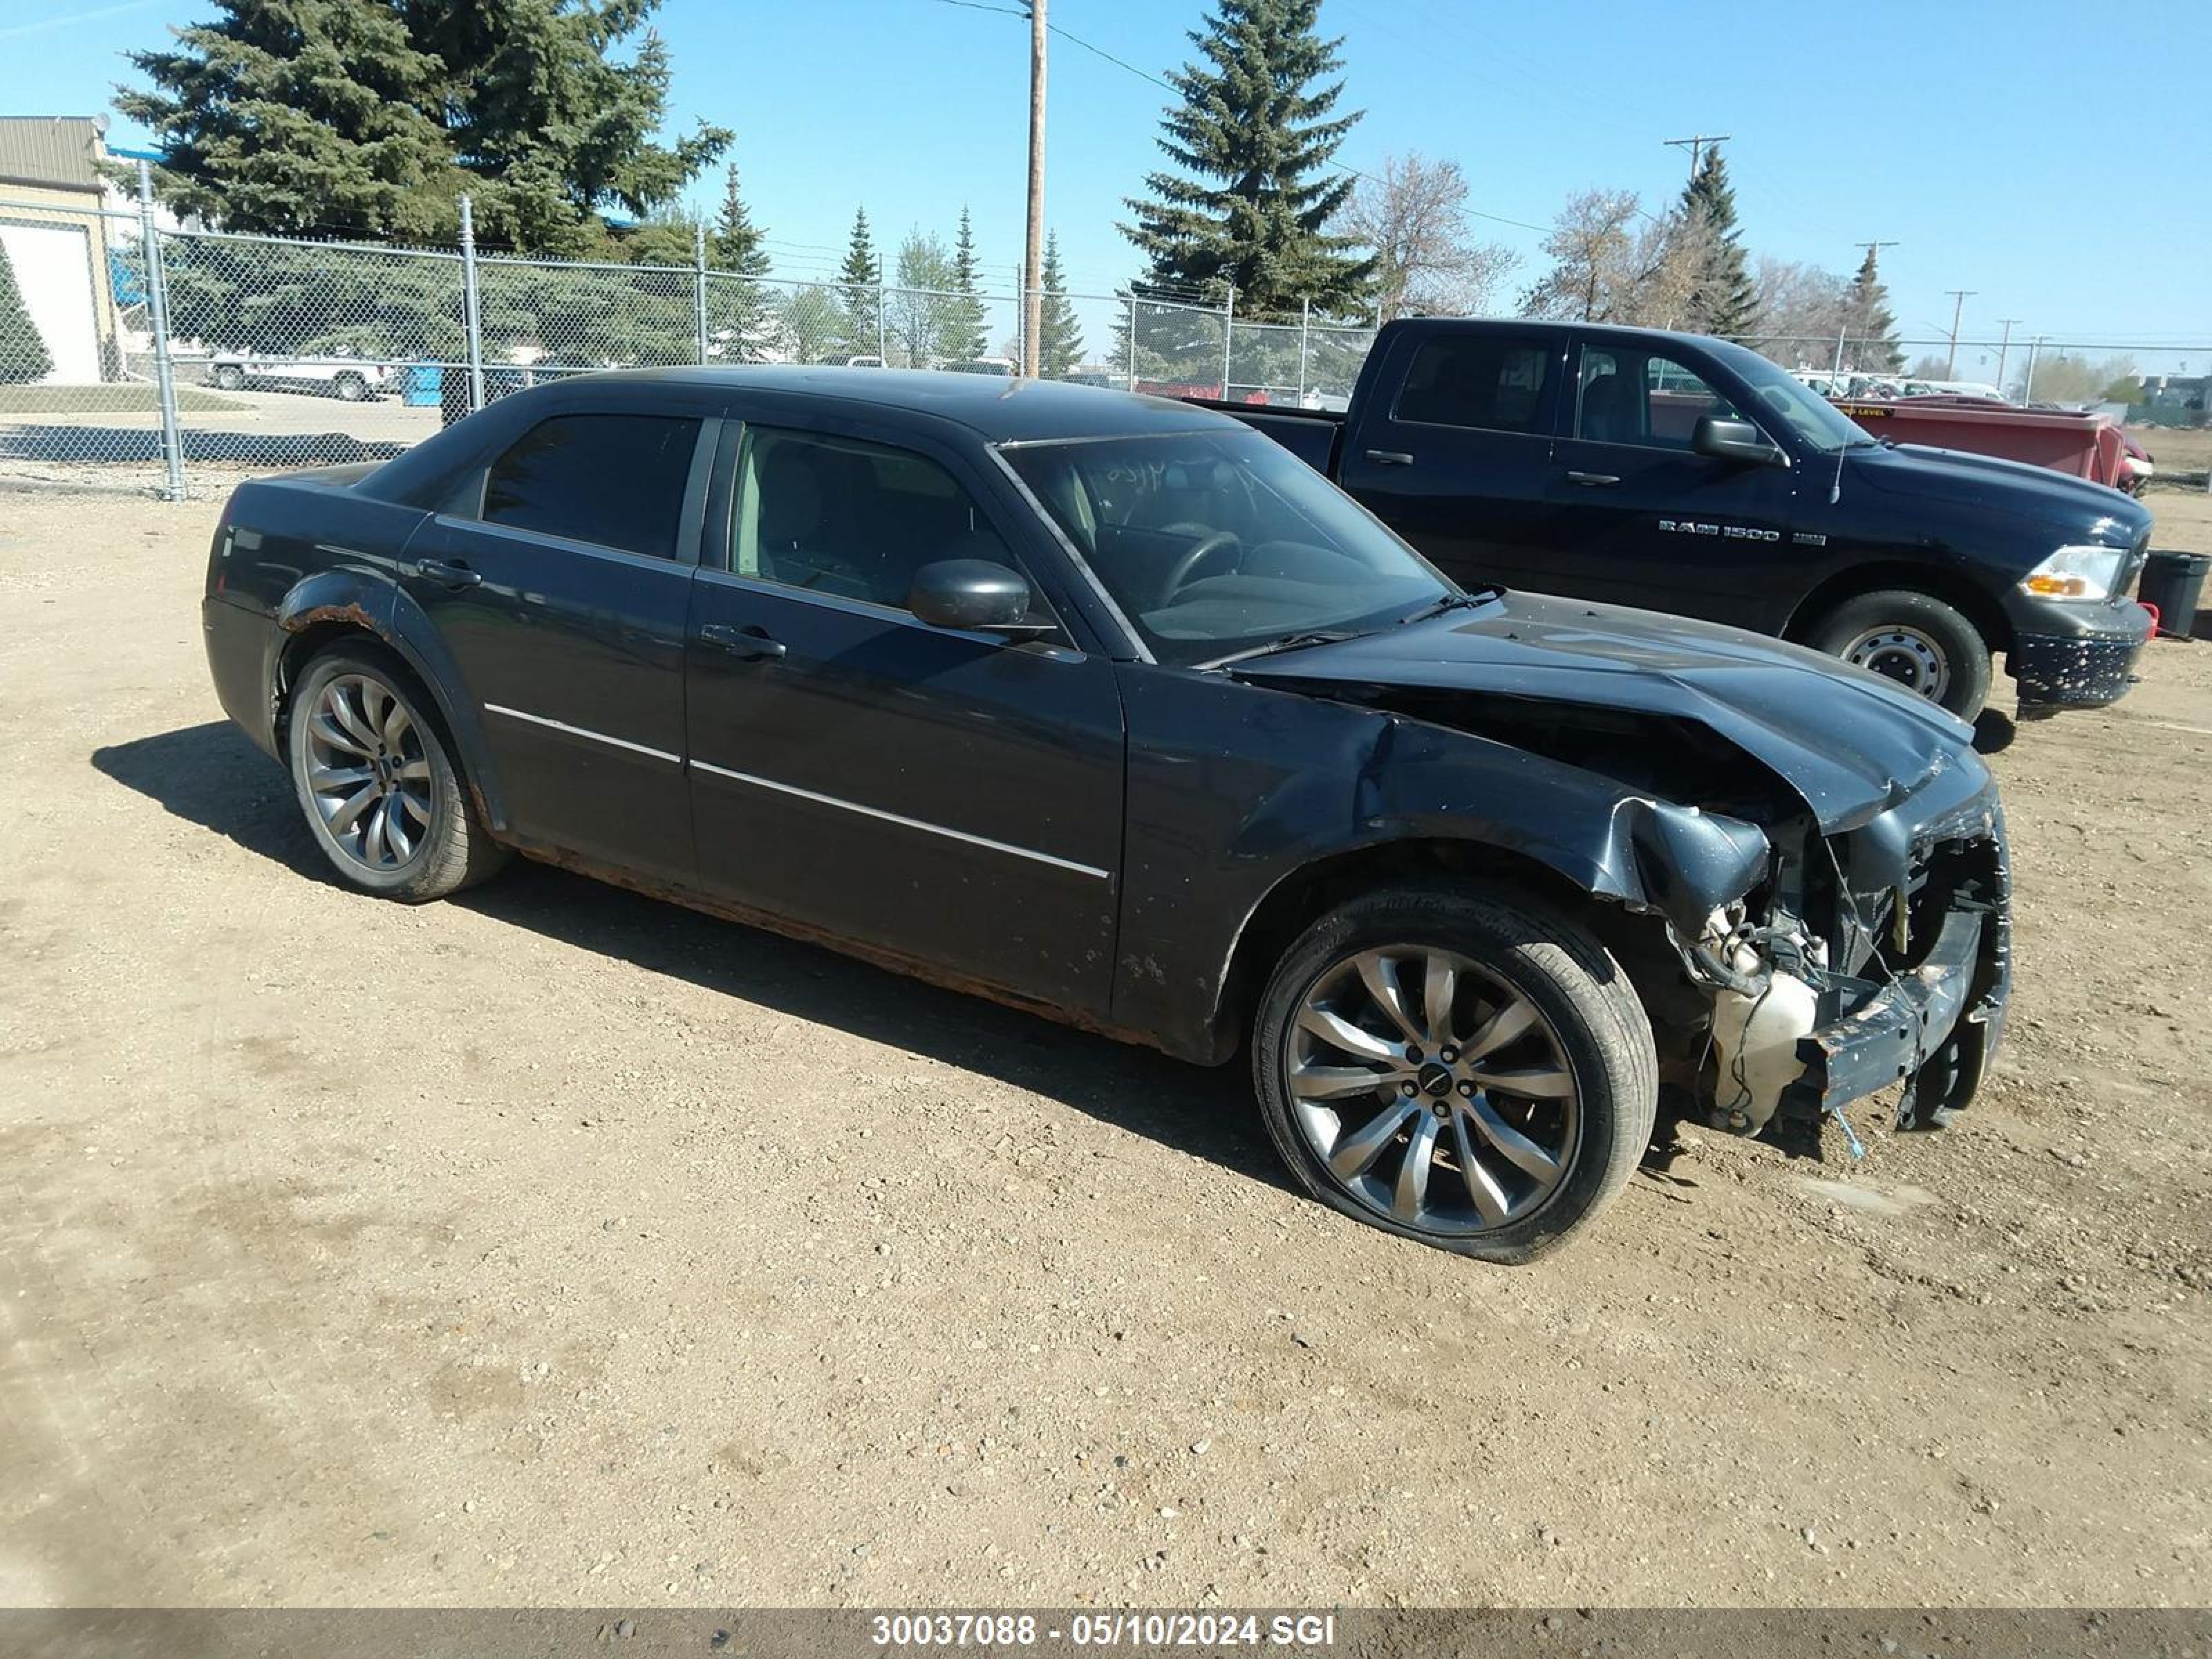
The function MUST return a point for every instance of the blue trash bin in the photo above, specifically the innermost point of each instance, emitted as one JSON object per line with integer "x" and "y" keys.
{"x": 422, "y": 384}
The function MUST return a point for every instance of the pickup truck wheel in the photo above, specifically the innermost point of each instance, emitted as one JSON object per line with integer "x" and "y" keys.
{"x": 1454, "y": 1067}
{"x": 230, "y": 378}
{"x": 352, "y": 388}
{"x": 379, "y": 786}
{"x": 1920, "y": 642}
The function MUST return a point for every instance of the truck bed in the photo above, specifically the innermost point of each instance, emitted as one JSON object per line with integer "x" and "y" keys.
{"x": 1311, "y": 435}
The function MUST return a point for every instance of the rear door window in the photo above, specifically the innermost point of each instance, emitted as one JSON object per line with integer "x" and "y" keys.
{"x": 1486, "y": 383}
{"x": 613, "y": 480}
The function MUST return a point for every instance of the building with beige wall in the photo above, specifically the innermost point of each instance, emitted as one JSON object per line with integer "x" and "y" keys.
{"x": 61, "y": 243}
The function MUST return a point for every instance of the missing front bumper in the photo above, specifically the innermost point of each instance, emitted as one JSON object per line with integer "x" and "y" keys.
{"x": 1932, "y": 1028}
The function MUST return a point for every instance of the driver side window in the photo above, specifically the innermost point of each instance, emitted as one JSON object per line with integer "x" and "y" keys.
{"x": 831, "y": 514}
{"x": 1624, "y": 396}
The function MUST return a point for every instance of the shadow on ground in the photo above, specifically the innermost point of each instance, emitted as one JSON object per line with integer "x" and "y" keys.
{"x": 212, "y": 777}
{"x": 143, "y": 445}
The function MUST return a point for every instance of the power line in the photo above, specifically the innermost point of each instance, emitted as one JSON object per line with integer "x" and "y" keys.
{"x": 1170, "y": 86}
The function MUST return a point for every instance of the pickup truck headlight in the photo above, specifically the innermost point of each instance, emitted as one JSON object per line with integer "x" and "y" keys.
{"x": 2076, "y": 572}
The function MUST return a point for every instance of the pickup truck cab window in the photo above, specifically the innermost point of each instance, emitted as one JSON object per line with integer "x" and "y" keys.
{"x": 1481, "y": 382}
{"x": 1626, "y": 396}
{"x": 1214, "y": 543}
{"x": 613, "y": 480}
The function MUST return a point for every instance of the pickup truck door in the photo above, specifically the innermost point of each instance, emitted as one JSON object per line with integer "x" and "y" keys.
{"x": 562, "y": 603}
{"x": 950, "y": 797}
{"x": 1641, "y": 518}
{"x": 1453, "y": 449}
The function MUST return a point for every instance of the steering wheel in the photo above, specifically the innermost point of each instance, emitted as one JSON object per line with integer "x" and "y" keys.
{"x": 1207, "y": 545}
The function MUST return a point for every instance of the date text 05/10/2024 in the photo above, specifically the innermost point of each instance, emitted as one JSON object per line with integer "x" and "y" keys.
{"x": 1105, "y": 1630}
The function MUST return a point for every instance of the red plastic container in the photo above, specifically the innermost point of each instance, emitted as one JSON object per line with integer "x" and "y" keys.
{"x": 2081, "y": 442}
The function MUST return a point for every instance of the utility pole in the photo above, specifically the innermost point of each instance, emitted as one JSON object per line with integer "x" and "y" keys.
{"x": 1959, "y": 298}
{"x": 1033, "y": 262}
{"x": 1695, "y": 143}
{"x": 2004, "y": 348}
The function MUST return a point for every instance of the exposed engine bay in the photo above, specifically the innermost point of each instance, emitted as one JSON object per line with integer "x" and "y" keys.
{"x": 1814, "y": 955}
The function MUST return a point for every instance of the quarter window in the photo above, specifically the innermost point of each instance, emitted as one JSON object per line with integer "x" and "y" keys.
{"x": 1491, "y": 385}
{"x": 614, "y": 480}
{"x": 1624, "y": 396}
{"x": 838, "y": 515}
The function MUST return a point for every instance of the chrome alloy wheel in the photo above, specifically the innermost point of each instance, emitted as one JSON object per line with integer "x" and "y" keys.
{"x": 1905, "y": 654}
{"x": 1432, "y": 1091}
{"x": 366, "y": 773}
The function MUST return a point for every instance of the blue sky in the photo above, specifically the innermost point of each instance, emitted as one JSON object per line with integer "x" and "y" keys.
{"x": 2055, "y": 159}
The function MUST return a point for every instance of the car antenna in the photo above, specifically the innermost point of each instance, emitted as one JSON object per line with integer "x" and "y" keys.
{"x": 1836, "y": 483}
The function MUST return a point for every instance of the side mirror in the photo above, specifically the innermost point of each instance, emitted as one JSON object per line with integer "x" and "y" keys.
{"x": 971, "y": 594}
{"x": 1734, "y": 441}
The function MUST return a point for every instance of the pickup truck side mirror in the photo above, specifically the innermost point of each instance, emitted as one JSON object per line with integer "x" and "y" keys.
{"x": 972, "y": 593}
{"x": 1734, "y": 441}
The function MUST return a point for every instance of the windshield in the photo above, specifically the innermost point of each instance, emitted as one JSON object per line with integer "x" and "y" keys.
{"x": 1816, "y": 421}
{"x": 1216, "y": 543}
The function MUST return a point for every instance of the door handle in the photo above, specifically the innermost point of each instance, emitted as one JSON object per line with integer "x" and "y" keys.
{"x": 752, "y": 644}
{"x": 451, "y": 575}
{"x": 1389, "y": 457}
{"x": 1593, "y": 480}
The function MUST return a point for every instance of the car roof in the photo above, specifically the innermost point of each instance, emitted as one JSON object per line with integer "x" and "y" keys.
{"x": 999, "y": 409}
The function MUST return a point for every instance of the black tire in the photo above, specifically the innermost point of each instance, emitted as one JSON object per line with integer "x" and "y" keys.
{"x": 229, "y": 379}
{"x": 454, "y": 850}
{"x": 1893, "y": 631}
{"x": 352, "y": 388}
{"x": 1601, "y": 1035}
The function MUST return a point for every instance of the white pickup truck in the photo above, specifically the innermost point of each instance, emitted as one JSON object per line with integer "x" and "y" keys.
{"x": 333, "y": 375}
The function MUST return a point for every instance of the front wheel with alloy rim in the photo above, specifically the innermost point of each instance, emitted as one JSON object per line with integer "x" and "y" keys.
{"x": 1455, "y": 1068}
{"x": 380, "y": 788}
{"x": 1922, "y": 644}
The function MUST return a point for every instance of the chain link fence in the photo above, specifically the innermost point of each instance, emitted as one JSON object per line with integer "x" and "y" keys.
{"x": 149, "y": 358}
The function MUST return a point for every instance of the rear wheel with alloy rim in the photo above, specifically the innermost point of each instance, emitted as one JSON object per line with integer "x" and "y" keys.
{"x": 377, "y": 782}
{"x": 1922, "y": 644}
{"x": 1455, "y": 1068}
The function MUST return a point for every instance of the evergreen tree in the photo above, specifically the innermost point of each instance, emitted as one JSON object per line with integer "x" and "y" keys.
{"x": 1721, "y": 300}
{"x": 1253, "y": 137}
{"x": 859, "y": 280}
{"x": 554, "y": 129}
{"x": 965, "y": 319}
{"x": 1873, "y": 341}
{"x": 301, "y": 115}
{"x": 370, "y": 118}
{"x": 733, "y": 242}
{"x": 23, "y": 353}
{"x": 1059, "y": 334}
{"x": 743, "y": 312}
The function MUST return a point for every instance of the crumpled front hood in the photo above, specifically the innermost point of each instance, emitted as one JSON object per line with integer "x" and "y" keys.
{"x": 1849, "y": 742}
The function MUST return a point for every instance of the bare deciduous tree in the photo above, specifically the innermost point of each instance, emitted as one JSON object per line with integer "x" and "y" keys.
{"x": 1805, "y": 310}
{"x": 1414, "y": 216}
{"x": 1608, "y": 268}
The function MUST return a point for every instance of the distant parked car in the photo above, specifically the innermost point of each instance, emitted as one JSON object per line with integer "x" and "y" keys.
{"x": 336, "y": 375}
{"x": 2136, "y": 467}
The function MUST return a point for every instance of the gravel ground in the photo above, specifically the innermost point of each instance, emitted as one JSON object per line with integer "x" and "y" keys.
{"x": 556, "y": 1245}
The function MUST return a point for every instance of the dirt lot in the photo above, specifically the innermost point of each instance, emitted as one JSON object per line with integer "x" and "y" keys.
{"x": 555, "y": 1245}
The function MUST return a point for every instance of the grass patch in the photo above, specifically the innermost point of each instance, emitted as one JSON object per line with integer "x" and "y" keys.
{"x": 129, "y": 397}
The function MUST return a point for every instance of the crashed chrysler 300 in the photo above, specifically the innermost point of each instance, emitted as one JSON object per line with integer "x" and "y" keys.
{"x": 1111, "y": 708}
